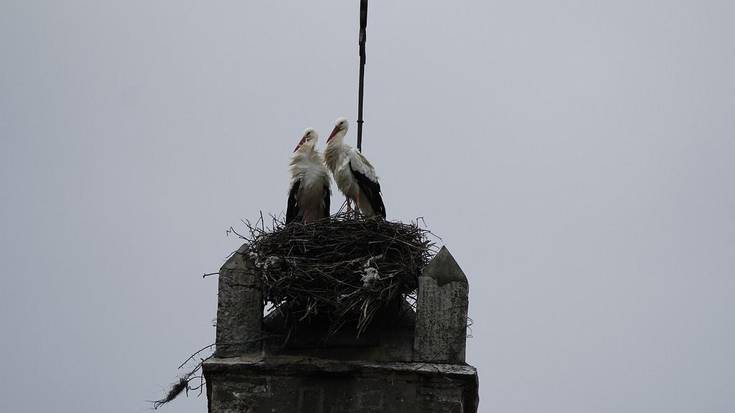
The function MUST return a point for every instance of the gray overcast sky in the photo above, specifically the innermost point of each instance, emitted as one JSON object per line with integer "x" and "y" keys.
{"x": 575, "y": 156}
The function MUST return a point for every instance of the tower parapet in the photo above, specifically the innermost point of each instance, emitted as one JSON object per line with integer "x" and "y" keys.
{"x": 405, "y": 361}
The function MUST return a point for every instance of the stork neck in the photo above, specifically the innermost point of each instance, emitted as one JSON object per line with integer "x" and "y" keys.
{"x": 335, "y": 152}
{"x": 304, "y": 152}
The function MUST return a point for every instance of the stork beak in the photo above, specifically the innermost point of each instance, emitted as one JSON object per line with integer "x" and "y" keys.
{"x": 334, "y": 132}
{"x": 301, "y": 142}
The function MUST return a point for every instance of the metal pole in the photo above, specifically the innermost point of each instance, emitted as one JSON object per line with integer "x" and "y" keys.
{"x": 363, "y": 29}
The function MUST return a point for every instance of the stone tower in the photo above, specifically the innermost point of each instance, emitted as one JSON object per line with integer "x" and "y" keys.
{"x": 406, "y": 361}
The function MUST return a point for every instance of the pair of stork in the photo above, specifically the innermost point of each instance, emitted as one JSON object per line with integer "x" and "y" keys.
{"x": 309, "y": 194}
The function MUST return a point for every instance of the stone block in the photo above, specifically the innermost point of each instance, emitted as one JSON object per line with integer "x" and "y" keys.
{"x": 239, "y": 307}
{"x": 441, "y": 311}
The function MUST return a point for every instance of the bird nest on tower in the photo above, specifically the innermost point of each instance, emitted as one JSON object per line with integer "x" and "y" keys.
{"x": 341, "y": 268}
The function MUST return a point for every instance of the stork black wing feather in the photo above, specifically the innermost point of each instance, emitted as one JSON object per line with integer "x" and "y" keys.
{"x": 292, "y": 209}
{"x": 327, "y": 200}
{"x": 371, "y": 189}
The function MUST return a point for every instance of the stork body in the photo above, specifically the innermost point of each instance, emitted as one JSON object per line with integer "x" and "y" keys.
{"x": 353, "y": 173}
{"x": 309, "y": 193}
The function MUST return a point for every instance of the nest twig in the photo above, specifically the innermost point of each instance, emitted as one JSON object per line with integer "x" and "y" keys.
{"x": 345, "y": 268}
{"x": 183, "y": 385}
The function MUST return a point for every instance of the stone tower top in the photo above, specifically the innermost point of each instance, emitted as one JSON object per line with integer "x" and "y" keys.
{"x": 406, "y": 361}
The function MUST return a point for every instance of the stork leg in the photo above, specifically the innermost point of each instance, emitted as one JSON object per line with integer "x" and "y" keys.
{"x": 349, "y": 206}
{"x": 356, "y": 210}
{"x": 352, "y": 211}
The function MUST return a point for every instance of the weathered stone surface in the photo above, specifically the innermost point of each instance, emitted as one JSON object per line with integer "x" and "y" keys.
{"x": 441, "y": 311}
{"x": 239, "y": 308}
{"x": 296, "y": 384}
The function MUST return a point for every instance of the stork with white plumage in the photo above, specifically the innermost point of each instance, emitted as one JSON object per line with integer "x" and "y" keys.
{"x": 309, "y": 193}
{"x": 353, "y": 173}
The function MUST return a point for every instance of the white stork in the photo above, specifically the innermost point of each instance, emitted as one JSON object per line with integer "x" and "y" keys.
{"x": 308, "y": 197}
{"x": 352, "y": 172}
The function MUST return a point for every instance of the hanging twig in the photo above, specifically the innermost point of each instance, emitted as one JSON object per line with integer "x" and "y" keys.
{"x": 195, "y": 354}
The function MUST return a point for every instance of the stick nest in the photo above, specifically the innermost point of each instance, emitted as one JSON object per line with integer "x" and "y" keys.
{"x": 343, "y": 268}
